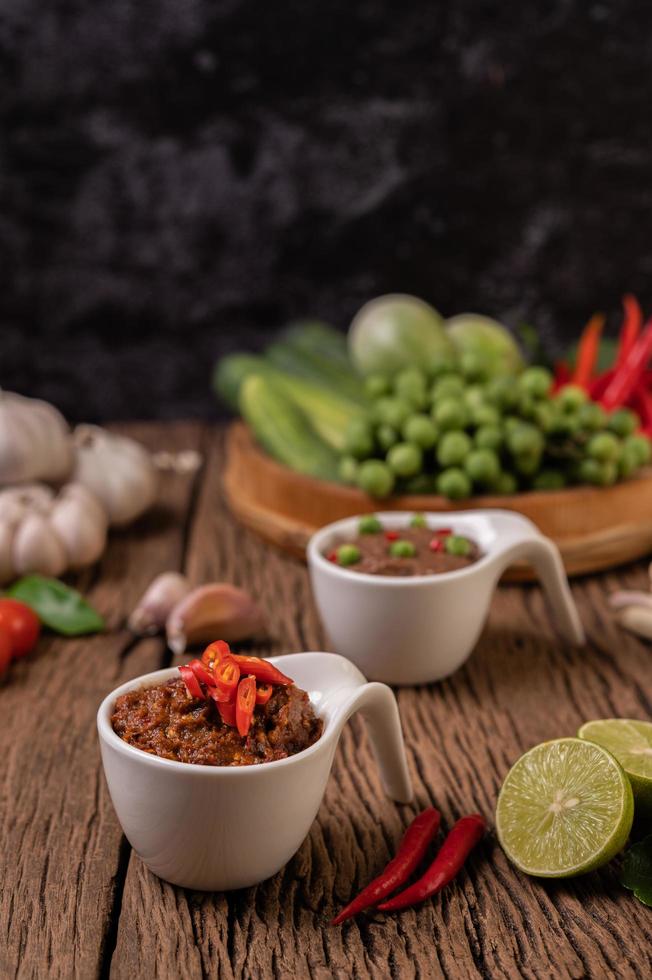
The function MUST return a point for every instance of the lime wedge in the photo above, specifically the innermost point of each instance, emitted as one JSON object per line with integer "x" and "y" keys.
{"x": 566, "y": 807}
{"x": 631, "y": 743}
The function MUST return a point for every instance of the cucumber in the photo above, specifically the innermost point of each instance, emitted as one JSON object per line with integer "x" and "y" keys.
{"x": 283, "y": 430}
{"x": 318, "y": 337}
{"x": 319, "y": 368}
{"x": 328, "y": 413}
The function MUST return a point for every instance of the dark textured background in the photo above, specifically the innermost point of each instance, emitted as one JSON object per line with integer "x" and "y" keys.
{"x": 178, "y": 177}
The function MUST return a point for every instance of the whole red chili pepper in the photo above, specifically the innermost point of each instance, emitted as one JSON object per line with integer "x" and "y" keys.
{"x": 562, "y": 375}
{"x": 630, "y": 372}
{"x": 454, "y": 851}
{"x": 410, "y": 853}
{"x": 587, "y": 351}
{"x": 632, "y": 323}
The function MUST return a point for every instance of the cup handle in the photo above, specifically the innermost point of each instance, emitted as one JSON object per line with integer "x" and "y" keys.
{"x": 544, "y": 556}
{"x": 377, "y": 705}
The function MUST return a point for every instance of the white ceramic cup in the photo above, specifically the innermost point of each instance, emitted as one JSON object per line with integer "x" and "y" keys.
{"x": 418, "y": 629}
{"x": 222, "y": 827}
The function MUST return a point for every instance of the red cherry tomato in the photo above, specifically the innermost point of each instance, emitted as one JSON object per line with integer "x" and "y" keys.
{"x": 5, "y": 651}
{"x": 22, "y": 624}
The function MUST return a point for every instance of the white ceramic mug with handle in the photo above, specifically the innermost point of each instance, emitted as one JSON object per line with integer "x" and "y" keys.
{"x": 419, "y": 629}
{"x": 222, "y": 827}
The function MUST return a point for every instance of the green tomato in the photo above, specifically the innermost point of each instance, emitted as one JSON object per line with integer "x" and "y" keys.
{"x": 623, "y": 422}
{"x": 488, "y": 339}
{"x": 482, "y": 466}
{"x": 450, "y": 386}
{"x": 348, "y": 554}
{"x": 604, "y": 446}
{"x": 421, "y": 430}
{"x": 410, "y": 385}
{"x": 347, "y": 469}
{"x": 392, "y": 411}
{"x": 396, "y": 331}
{"x": 358, "y": 439}
{"x": 549, "y": 480}
{"x": 454, "y": 484}
{"x": 591, "y": 417}
{"x": 503, "y": 392}
{"x": 377, "y": 385}
{"x": 450, "y": 413}
{"x": 386, "y": 436}
{"x": 535, "y": 382}
{"x": 488, "y": 437}
{"x": 453, "y": 448}
{"x": 375, "y": 478}
{"x": 405, "y": 459}
{"x": 505, "y": 484}
{"x": 640, "y": 446}
{"x": 455, "y": 544}
{"x": 369, "y": 524}
{"x": 402, "y": 549}
{"x": 485, "y": 415}
{"x": 525, "y": 438}
{"x": 418, "y": 520}
{"x": 571, "y": 397}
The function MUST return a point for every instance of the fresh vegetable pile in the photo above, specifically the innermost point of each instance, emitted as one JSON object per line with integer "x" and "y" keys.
{"x": 419, "y": 405}
{"x": 235, "y": 683}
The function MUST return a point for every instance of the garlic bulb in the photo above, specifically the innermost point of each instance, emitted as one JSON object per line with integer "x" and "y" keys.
{"x": 35, "y": 441}
{"x": 43, "y": 533}
{"x": 117, "y": 470}
{"x": 157, "y": 603}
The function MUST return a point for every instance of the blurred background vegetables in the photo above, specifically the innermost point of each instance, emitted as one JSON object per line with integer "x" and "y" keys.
{"x": 423, "y": 405}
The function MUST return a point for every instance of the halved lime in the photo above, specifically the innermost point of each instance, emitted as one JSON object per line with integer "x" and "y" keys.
{"x": 566, "y": 807}
{"x": 631, "y": 743}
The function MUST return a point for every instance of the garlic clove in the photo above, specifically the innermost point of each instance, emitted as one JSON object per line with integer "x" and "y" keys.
{"x": 38, "y": 548}
{"x": 78, "y": 491}
{"x": 118, "y": 470}
{"x": 7, "y": 531}
{"x": 81, "y": 528}
{"x": 620, "y": 600}
{"x": 637, "y": 619}
{"x": 15, "y": 502}
{"x": 218, "y": 610}
{"x": 157, "y": 603}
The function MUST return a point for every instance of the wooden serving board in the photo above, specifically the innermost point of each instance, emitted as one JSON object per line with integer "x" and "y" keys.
{"x": 594, "y": 528}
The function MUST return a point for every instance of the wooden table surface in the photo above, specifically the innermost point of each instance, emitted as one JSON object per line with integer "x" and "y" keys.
{"x": 76, "y": 901}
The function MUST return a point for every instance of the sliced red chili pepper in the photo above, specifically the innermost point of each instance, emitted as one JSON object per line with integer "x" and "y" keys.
{"x": 214, "y": 653}
{"x": 227, "y": 676}
{"x": 226, "y": 710}
{"x": 632, "y": 323}
{"x": 261, "y": 669}
{"x": 245, "y": 702}
{"x": 392, "y": 535}
{"x": 587, "y": 351}
{"x": 409, "y": 855}
{"x": 203, "y": 675}
{"x": 454, "y": 851}
{"x": 444, "y": 532}
{"x": 263, "y": 693}
{"x": 192, "y": 684}
{"x": 436, "y": 544}
{"x": 630, "y": 372}
{"x": 332, "y": 556}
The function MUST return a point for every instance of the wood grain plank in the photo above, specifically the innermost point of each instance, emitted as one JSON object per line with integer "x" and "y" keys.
{"x": 60, "y": 863}
{"x": 522, "y": 685}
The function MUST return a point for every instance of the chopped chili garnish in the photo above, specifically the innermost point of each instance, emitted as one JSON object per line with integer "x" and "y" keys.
{"x": 263, "y": 693}
{"x": 332, "y": 556}
{"x": 392, "y": 535}
{"x": 444, "y": 532}
{"x": 203, "y": 675}
{"x": 192, "y": 684}
{"x": 629, "y": 373}
{"x": 227, "y": 675}
{"x": 245, "y": 703}
{"x": 226, "y": 710}
{"x": 587, "y": 351}
{"x": 632, "y": 323}
{"x": 436, "y": 544}
{"x": 454, "y": 851}
{"x": 410, "y": 854}
{"x": 214, "y": 653}
{"x": 261, "y": 669}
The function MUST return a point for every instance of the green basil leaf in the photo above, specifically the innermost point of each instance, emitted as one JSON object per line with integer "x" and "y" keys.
{"x": 636, "y": 873}
{"x": 61, "y": 608}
